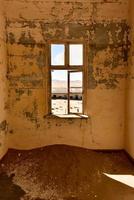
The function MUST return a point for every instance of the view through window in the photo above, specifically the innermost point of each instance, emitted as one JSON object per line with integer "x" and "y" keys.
{"x": 67, "y": 79}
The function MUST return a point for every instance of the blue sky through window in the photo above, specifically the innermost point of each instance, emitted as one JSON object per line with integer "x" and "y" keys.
{"x": 57, "y": 54}
{"x": 76, "y": 76}
{"x": 76, "y": 54}
{"x": 60, "y": 75}
{"x": 57, "y": 58}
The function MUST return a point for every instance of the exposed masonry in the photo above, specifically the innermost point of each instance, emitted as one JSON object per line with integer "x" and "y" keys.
{"x": 110, "y": 39}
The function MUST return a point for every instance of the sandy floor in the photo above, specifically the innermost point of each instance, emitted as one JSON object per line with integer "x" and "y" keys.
{"x": 64, "y": 173}
{"x": 61, "y": 107}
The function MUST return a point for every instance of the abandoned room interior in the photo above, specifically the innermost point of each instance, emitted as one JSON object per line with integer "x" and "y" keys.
{"x": 66, "y": 99}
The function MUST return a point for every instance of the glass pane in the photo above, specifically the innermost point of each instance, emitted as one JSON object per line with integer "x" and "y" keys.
{"x": 59, "y": 92}
{"x": 76, "y": 88}
{"x": 59, "y": 107}
{"x": 57, "y": 54}
{"x": 76, "y": 82}
{"x": 76, "y": 103}
{"x": 76, "y": 54}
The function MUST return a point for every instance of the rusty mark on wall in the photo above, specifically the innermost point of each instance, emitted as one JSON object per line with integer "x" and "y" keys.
{"x": 3, "y": 126}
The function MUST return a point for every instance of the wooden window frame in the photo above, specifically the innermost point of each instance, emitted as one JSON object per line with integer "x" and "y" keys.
{"x": 71, "y": 68}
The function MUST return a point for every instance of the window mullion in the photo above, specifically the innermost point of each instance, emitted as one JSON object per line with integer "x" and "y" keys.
{"x": 68, "y": 92}
{"x": 67, "y": 67}
{"x": 66, "y": 55}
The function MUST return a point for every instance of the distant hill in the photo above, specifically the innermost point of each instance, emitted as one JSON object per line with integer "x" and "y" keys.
{"x": 61, "y": 86}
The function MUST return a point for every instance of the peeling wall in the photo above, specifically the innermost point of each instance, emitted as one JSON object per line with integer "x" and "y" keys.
{"x": 129, "y": 137}
{"x": 30, "y": 25}
{"x": 3, "y": 87}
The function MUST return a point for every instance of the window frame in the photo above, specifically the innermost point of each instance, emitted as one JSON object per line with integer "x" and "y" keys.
{"x": 69, "y": 93}
{"x": 71, "y": 68}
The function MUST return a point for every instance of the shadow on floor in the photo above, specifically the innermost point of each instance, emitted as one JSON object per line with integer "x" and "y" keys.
{"x": 9, "y": 190}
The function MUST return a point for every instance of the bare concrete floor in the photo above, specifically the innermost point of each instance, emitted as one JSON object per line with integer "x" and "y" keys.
{"x": 64, "y": 173}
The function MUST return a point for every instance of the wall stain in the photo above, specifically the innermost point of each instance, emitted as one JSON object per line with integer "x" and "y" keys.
{"x": 26, "y": 80}
{"x": 3, "y": 126}
{"x": 40, "y": 60}
{"x": 20, "y": 92}
{"x": 11, "y": 38}
{"x": 26, "y": 39}
{"x": 33, "y": 114}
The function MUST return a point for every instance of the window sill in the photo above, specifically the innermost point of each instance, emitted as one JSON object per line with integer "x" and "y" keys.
{"x": 71, "y": 116}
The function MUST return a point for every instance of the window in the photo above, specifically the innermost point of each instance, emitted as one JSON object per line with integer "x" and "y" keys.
{"x": 67, "y": 79}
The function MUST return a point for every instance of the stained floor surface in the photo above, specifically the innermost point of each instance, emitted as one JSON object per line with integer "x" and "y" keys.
{"x": 64, "y": 173}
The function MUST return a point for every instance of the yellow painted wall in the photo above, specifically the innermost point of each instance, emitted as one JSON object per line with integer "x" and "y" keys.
{"x": 129, "y": 137}
{"x": 29, "y": 27}
{"x": 3, "y": 86}
{"x": 105, "y": 27}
